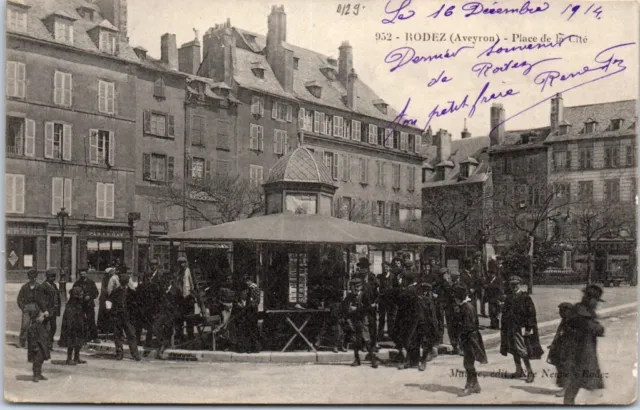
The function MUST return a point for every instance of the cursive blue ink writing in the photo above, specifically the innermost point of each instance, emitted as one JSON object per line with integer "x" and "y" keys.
{"x": 402, "y": 118}
{"x": 447, "y": 13}
{"x": 484, "y": 98}
{"x": 483, "y": 69}
{"x": 397, "y": 13}
{"x": 547, "y": 78}
{"x": 451, "y": 108}
{"x": 405, "y": 55}
{"x": 441, "y": 78}
{"x": 475, "y": 7}
{"x": 524, "y": 47}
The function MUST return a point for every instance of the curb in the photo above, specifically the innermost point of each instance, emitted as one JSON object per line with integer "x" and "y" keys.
{"x": 491, "y": 341}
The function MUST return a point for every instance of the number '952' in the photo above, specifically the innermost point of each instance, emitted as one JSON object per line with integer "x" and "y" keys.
{"x": 383, "y": 36}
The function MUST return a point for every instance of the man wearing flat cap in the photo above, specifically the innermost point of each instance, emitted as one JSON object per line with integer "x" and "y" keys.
{"x": 123, "y": 308}
{"x": 90, "y": 293}
{"x": 51, "y": 295}
{"x": 357, "y": 304}
{"x": 582, "y": 356}
{"x": 31, "y": 301}
{"x": 519, "y": 330}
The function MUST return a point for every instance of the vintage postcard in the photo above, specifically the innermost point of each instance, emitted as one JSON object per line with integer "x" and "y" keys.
{"x": 321, "y": 202}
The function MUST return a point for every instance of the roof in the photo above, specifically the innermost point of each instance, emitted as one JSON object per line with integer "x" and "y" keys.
{"x": 300, "y": 228}
{"x": 462, "y": 150}
{"x": 601, "y": 113}
{"x": 512, "y": 140}
{"x": 310, "y": 64}
{"x": 40, "y": 10}
{"x": 300, "y": 165}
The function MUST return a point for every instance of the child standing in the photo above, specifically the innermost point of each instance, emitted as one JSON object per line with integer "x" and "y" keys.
{"x": 73, "y": 334}
{"x": 37, "y": 344}
{"x": 558, "y": 351}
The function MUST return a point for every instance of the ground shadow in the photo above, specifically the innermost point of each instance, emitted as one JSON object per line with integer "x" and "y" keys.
{"x": 24, "y": 378}
{"x": 537, "y": 390}
{"x": 434, "y": 388}
{"x": 498, "y": 375}
{"x": 59, "y": 362}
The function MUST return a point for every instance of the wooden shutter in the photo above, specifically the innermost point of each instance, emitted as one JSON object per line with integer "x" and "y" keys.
{"x": 146, "y": 167}
{"x": 48, "y": 140}
{"x": 274, "y": 110}
{"x": 418, "y": 142}
{"x": 289, "y": 113}
{"x": 387, "y": 213}
{"x": 170, "y": 165}
{"x": 100, "y": 200}
{"x": 207, "y": 170}
{"x": 111, "y": 98}
{"x": 146, "y": 121}
{"x": 18, "y": 193}
{"x": 108, "y": 200}
{"x": 277, "y": 143}
{"x": 171, "y": 126}
{"x": 66, "y": 142}
{"x": 93, "y": 146}
{"x": 67, "y": 198}
{"x": 9, "y": 192}
{"x": 285, "y": 142}
{"x": 112, "y": 148}
{"x": 569, "y": 158}
{"x": 316, "y": 122}
{"x": 58, "y": 87}
{"x": 21, "y": 82}
{"x": 301, "y": 118}
{"x": 334, "y": 163}
{"x": 102, "y": 96}
{"x": 260, "y": 138}
{"x": 57, "y": 191}
{"x": 29, "y": 137}
{"x": 69, "y": 85}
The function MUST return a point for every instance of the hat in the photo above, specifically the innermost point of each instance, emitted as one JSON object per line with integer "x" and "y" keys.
{"x": 31, "y": 272}
{"x": 123, "y": 268}
{"x": 153, "y": 262}
{"x": 109, "y": 270}
{"x": 408, "y": 263}
{"x": 363, "y": 263}
{"x": 459, "y": 292}
{"x": 515, "y": 280}
{"x": 477, "y": 253}
{"x": 124, "y": 277}
{"x": 182, "y": 259}
{"x": 594, "y": 291}
{"x": 355, "y": 281}
{"x": 565, "y": 305}
{"x": 76, "y": 292}
{"x": 52, "y": 272}
{"x": 442, "y": 271}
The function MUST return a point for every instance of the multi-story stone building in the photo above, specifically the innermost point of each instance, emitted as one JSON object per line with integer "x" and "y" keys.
{"x": 71, "y": 103}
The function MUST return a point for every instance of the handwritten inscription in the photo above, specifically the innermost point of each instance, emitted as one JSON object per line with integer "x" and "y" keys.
{"x": 593, "y": 10}
{"x": 349, "y": 9}
{"x": 402, "y": 56}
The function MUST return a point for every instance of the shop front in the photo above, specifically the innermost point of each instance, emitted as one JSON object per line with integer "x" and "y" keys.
{"x": 25, "y": 249}
{"x": 100, "y": 247}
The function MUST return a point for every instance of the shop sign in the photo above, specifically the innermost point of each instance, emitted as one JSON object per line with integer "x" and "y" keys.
{"x": 107, "y": 233}
{"x": 25, "y": 230}
{"x": 13, "y": 258}
{"x": 209, "y": 245}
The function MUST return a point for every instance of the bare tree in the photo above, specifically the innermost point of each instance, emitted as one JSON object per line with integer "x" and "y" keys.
{"x": 355, "y": 210}
{"x": 232, "y": 198}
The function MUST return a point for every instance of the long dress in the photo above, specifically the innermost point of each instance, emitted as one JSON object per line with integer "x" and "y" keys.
{"x": 103, "y": 323}
{"x": 73, "y": 332}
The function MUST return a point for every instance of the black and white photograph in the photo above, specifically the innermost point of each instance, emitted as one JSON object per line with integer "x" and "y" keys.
{"x": 279, "y": 202}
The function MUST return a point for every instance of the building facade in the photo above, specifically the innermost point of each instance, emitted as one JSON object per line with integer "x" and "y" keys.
{"x": 69, "y": 137}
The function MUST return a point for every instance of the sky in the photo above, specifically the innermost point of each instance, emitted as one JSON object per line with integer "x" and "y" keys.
{"x": 316, "y": 24}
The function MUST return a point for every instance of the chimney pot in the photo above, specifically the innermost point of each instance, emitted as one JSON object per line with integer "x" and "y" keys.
{"x": 345, "y": 62}
{"x": 496, "y": 133}
{"x": 189, "y": 57}
{"x": 169, "y": 50}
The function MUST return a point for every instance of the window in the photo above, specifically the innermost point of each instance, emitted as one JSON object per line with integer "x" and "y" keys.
{"x": 585, "y": 151}
{"x": 21, "y": 252}
{"x": 107, "y": 42}
{"x": 561, "y": 157}
{"x": 616, "y": 124}
{"x": 222, "y": 167}
{"x": 280, "y": 142}
{"x": 281, "y": 111}
{"x": 630, "y": 155}
{"x": 344, "y": 167}
{"x": 506, "y": 166}
{"x": 257, "y": 105}
{"x": 373, "y": 133}
{"x": 327, "y": 125}
{"x": 356, "y": 130}
{"x": 338, "y": 126}
{"x": 255, "y": 175}
{"x": 364, "y": 170}
{"x": 318, "y": 122}
{"x": 158, "y": 88}
{"x": 562, "y": 190}
{"x": 16, "y": 19}
{"x": 418, "y": 143}
{"x": 157, "y": 168}
{"x": 256, "y": 139}
{"x": 14, "y": 193}
{"x": 197, "y": 168}
{"x": 158, "y": 125}
{"x": 63, "y": 31}
{"x": 21, "y": 136}
{"x": 564, "y": 129}
{"x": 585, "y": 191}
{"x": 396, "y": 139}
{"x": 104, "y": 200}
{"x": 106, "y": 97}
{"x": 612, "y": 154}
{"x": 589, "y": 127}
{"x": 331, "y": 162}
{"x": 308, "y": 120}
{"x": 411, "y": 176}
{"x": 380, "y": 211}
{"x": 296, "y": 63}
{"x": 197, "y": 130}
{"x": 612, "y": 190}
{"x": 57, "y": 141}
{"x": 258, "y": 72}
{"x": 388, "y": 138}
{"x": 61, "y": 195}
{"x": 395, "y": 173}
{"x": 101, "y": 253}
{"x": 62, "y": 89}
{"x": 16, "y": 79}
{"x": 404, "y": 141}
{"x": 381, "y": 172}
{"x": 534, "y": 196}
{"x": 101, "y": 147}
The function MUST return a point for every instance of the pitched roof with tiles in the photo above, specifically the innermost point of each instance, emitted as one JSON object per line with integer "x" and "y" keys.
{"x": 513, "y": 140}
{"x": 300, "y": 165}
{"x": 602, "y": 113}
{"x": 41, "y": 9}
{"x": 462, "y": 150}
{"x": 309, "y": 68}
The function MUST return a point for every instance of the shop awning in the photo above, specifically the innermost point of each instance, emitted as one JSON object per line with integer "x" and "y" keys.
{"x": 296, "y": 228}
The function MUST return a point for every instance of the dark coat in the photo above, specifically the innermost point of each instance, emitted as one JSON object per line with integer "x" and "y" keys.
{"x": 582, "y": 358}
{"x": 27, "y": 296}
{"x": 89, "y": 289}
{"x": 429, "y": 326}
{"x": 358, "y": 311}
{"x": 519, "y": 312}
{"x": 493, "y": 289}
{"x": 470, "y": 337}
{"x": 410, "y": 315}
{"x": 74, "y": 328}
{"x": 51, "y": 296}
{"x": 149, "y": 292}
{"x": 124, "y": 303}
{"x": 37, "y": 341}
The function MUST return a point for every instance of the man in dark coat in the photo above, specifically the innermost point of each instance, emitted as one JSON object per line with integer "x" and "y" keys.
{"x": 559, "y": 348}
{"x": 104, "y": 320}
{"x": 164, "y": 321}
{"x": 582, "y": 358}
{"x": 73, "y": 332}
{"x": 387, "y": 310}
{"x": 149, "y": 293}
{"x": 358, "y": 305}
{"x": 90, "y": 293}
{"x": 470, "y": 340}
{"x": 30, "y": 299}
{"x": 410, "y": 315}
{"x": 519, "y": 331}
{"x": 447, "y": 305}
{"x": 494, "y": 295}
{"x": 123, "y": 304}
{"x": 477, "y": 271}
{"x": 51, "y": 295}
{"x": 428, "y": 328}
{"x": 37, "y": 338}
{"x": 371, "y": 286}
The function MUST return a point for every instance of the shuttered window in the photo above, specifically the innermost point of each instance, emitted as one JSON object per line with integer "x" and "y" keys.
{"x": 61, "y": 195}
{"x": 14, "y": 193}
{"x": 104, "y": 200}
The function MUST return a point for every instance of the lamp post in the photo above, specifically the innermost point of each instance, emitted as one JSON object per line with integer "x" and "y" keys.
{"x": 62, "y": 217}
{"x": 132, "y": 217}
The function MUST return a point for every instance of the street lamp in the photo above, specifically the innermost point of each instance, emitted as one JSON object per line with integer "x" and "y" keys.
{"x": 132, "y": 217}
{"x": 62, "y": 217}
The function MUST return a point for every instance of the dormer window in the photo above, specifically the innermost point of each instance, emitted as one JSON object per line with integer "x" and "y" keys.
{"x": 332, "y": 61}
{"x": 616, "y": 124}
{"x": 86, "y": 12}
{"x": 563, "y": 129}
{"x": 158, "y": 88}
{"x": 258, "y": 72}
{"x": 381, "y": 106}
{"x": 296, "y": 62}
{"x": 314, "y": 88}
{"x": 17, "y": 16}
{"x": 464, "y": 171}
{"x": 590, "y": 126}
{"x": 61, "y": 25}
{"x": 329, "y": 72}
{"x": 107, "y": 41}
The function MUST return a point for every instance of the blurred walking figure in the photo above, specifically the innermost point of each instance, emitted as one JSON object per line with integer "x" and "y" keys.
{"x": 559, "y": 348}
{"x": 73, "y": 333}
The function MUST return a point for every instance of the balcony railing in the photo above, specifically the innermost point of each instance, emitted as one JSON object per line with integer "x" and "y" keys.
{"x": 15, "y": 149}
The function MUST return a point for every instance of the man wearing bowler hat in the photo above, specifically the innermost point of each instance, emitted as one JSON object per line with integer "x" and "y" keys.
{"x": 583, "y": 370}
{"x": 358, "y": 304}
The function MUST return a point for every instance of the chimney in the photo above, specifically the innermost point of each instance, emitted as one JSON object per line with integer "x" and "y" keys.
{"x": 465, "y": 133}
{"x": 496, "y": 133}
{"x": 219, "y": 44}
{"x": 169, "y": 50}
{"x": 345, "y": 62}
{"x": 116, "y": 12}
{"x": 351, "y": 90}
{"x": 189, "y": 57}
{"x": 141, "y": 52}
{"x": 443, "y": 142}
{"x": 557, "y": 112}
{"x": 279, "y": 57}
